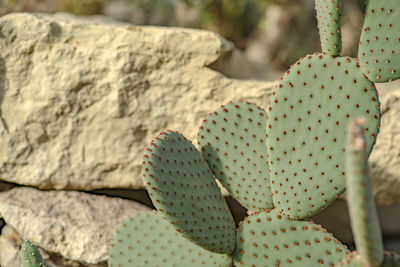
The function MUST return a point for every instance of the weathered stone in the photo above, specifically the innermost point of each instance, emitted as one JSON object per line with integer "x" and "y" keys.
{"x": 80, "y": 101}
{"x": 10, "y": 245}
{"x": 384, "y": 161}
{"x": 76, "y": 225}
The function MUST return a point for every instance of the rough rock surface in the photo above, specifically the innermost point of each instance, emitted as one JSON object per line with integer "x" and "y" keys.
{"x": 76, "y": 225}
{"x": 79, "y": 101}
{"x": 384, "y": 161}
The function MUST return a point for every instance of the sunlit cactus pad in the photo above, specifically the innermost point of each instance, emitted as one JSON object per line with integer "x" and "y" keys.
{"x": 182, "y": 187}
{"x": 306, "y": 127}
{"x": 271, "y": 239}
{"x": 379, "y": 50}
{"x": 30, "y": 255}
{"x": 328, "y": 15}
{"x": 146, "y": 239}
{"x": 390, "y": 259}
{"x": 232, "y": 140}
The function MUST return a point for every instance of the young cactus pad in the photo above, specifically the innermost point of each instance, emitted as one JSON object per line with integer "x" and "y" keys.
{"x": 182, "y": 187}
{"x": 232, "y": 140}
{"x": 146, "y": 239}
{"x": 364, "y": 220}
{"x": 306, "y": 126}
{"x": 390, "y": 259}
{"x": 30, "y": 255}
{"x": 379, "y": 49}
{"x": 328, "y": 15}
{"x": 271, "y": 239}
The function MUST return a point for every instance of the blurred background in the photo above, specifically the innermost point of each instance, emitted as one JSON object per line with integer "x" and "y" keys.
{"x": 272, "y": 33}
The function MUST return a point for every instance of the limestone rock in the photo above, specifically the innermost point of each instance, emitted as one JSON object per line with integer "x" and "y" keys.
{"x": 80, "y": 100}
{"x": 384, "y": 161}
{"x": 76, "y": 225}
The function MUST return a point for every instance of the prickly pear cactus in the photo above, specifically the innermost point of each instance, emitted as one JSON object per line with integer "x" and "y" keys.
{"x": 271, "y": 239}
{"x": 328, "y": 15}
{"x": 146, "y": 239}
{"x": 379, "y": 49}
{"x": 364, "y": 220}
{"x": 30, "y": 255}
{"x": 232, "y": 140}
{"x": 306, "y": 126}
{"x": 184, "y": 190}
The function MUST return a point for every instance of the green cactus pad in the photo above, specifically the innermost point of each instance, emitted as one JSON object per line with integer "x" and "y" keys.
{"x": 232, "y": 140}
{"x": 390, "y": 259}
{"x": 272, "y": 239}
{"x": 364, "y": 220}
{"x": 30, "y": 255}
{"x": 183, "y": 188}
{"x": 146, "y": 239}
{"x": 306, "y": 126}
{"x": 379, "y": 49}
{"x": 328, "y": 15}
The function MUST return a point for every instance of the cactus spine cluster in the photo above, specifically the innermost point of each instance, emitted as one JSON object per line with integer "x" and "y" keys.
{"x": 284, "y": 165}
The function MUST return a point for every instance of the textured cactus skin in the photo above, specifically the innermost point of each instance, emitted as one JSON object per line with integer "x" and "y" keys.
{"x": 364, "y": 220}
{"x": 379, "y": 49}
{"x": 390, "y": 259}
{"x": 328, "y": 15}
{"x": 30, "y": 255}
{"x": 146, "y": 239}
{"x": 232, "y": 140}
{"x": 306, "y": 126}
{"x": 183, "y": 188}
{"x": 271, "y": 239}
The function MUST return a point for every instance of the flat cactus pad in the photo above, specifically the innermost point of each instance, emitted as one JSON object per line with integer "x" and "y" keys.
{"x": 379, "y": 49}
{"x": 147, "y": 239}
{"x": 183, "y": 189}
{"x": 272, "y": 239}
{"x": 306, "y": 127}
{"x": 30, "y": 255}
{"x": 328, "y": 15}
{"x": 232, "y": 140}
{"x": 390, "y": 259}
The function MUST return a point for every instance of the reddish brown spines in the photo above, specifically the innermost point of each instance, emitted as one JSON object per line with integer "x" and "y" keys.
{"x": 182, "y": 187}
{"x": 379, "y": 49}
{"x": 305, "y": 135}
{"x": 232, "y": 141}
{"x": 269, "y": 237}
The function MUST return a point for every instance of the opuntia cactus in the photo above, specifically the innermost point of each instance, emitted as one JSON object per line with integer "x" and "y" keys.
{"x": 295, "y": 172}
{"x": 30, "y": 255}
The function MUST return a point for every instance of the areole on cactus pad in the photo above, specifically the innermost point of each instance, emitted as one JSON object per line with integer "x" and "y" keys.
{"x": 306, "y": 126}
{"x": 232, "y": 140}
{"x": 379, "y": 49}
{"x": 146, "y": 239}
{"x": 328, "y": 14}
{"x": 272, "y": 239}
{"x": 183, "y": 189}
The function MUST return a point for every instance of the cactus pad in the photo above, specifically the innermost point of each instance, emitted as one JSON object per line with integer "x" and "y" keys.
{"x": 183, "y": 188}
{"x": 328, "y": 15}
{"x": 271, "y": 239}
{"x": 364, "y": 220}
{"x": 390, "y": 259}
{"x": 379, "y": 50}
{"x": 30, "y": 255}
{"x": 232, "y": 140}
{"x": 147, "y": 239}
{"x": 306, "y": 126}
